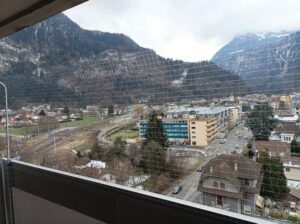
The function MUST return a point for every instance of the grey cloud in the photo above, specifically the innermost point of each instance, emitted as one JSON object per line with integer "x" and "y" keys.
{"x": 175, "y": 27}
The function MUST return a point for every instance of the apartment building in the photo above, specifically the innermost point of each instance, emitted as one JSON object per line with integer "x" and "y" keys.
{"x": 192, "y": 130}
{"x": 176, "y": 130}
{"x": 221, "y": 113}
{"x": 202, "y": 131}
{"x": 234, "y": 114}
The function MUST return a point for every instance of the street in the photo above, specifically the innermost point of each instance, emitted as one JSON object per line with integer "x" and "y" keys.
{"x": 234, "y": 142}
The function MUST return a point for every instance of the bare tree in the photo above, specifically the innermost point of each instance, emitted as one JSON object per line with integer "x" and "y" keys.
{"x": 134, "y": 154}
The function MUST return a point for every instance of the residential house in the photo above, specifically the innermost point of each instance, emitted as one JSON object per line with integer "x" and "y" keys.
{"x": 275, "y": 102}
{"x": 286, "y": 132}
{"x": 231, "y": 182}
{"x": 287, "y": 99}
{"x": 295, "y": 104}
{"x": 287, "y": 118}
{"x": 291, "y": 164}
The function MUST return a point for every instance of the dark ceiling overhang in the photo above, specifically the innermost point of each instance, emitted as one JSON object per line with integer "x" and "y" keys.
{"x": 18, "y": 14}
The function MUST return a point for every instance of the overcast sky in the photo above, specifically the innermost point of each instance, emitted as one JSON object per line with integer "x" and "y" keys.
{"x": 191, "y": 30}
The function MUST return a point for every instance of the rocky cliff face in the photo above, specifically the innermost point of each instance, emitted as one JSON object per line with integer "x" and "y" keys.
{"x": 57, "y": 61}
{"x": 267, "y": 62}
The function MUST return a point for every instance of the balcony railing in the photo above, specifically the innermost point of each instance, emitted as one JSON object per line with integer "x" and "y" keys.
{"x": 43, "y": 195}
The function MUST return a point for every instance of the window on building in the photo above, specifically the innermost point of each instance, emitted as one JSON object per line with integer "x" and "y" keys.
{"x": 222, "y": 185}
{"x": 193, "y": 127}
{"x": 216, "y": 184}
{"x": 287, "y": 169}
{"x": 193, "y": 122}
{"x": 246, "y": 182}
{"x": 247, "y": 209}
{"x": 194, "y": 143}
{"x": 219, "y": 200}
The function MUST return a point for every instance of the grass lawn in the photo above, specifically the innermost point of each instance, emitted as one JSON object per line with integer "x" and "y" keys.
{"x": 17, "y": 131}
{"x": 83, "y": 122}
{"x": 124, "y": 134}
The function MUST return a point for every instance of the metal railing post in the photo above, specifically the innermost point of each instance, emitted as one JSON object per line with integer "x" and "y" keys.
{"x": 8, "y": 153}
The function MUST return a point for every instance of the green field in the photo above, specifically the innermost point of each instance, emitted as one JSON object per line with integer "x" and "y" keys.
{"x": 85, "y": 121}
{"x": 17, "y": 131}
{"x": 124, "y": 134}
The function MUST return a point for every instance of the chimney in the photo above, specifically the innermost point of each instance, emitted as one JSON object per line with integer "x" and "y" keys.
{"x": 235, "y": 166}
{"x": 211, "y": 169}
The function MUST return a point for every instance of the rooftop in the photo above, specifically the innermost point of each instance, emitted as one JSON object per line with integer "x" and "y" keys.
{"x": 223, "y": 167}
{"x": 275, "y": 147}
{"x": 288, "y": 128}
{"x": 197, "y": 110}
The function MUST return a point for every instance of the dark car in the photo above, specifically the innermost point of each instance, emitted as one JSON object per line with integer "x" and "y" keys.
{"x": 176, "y": 189}
{"x": 200, "y": 169}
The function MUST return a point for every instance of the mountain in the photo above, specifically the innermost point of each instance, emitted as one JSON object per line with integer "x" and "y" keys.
{"x": 267, "y": 62}
{"x": 57, "y": 61}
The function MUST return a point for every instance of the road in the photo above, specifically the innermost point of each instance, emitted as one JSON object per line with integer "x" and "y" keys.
{"x": 190, "y": 183}
{"x": 235, "y": 141}
{"x": 117, "y": 124}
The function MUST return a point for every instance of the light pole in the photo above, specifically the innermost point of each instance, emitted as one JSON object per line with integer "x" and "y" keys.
{"x": 7, "y": 131}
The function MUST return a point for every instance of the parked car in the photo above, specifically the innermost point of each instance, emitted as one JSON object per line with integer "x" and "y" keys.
{"x": 176, "y": 189}
{"x": 200, "y": 169}
{"x": 222, "y": 141}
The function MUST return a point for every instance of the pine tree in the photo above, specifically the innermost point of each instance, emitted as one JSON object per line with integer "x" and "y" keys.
{"x": 154, "y": 158}
{"x": 66, "y": 111}
{"x": 118, "y": 149}
{"x": 42, "y": 113}
{"x": 110, "y": 110}
{"x": 261, "y": 121}
{"x": 274, "y": 183}
{"x": 294, "y": 147}
{"x": 154, "y": 147}
{"x": 155, "y": 132}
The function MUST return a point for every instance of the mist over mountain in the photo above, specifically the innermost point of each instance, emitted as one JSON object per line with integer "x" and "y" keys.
{"x": 267, "y": 62}
{"x": 57, "y": 61}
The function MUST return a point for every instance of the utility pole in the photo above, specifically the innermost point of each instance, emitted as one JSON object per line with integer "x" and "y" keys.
{"x": 8, "y": 154}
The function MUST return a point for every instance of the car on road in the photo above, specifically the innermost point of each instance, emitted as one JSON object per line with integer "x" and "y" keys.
{"x": 200, "y": 169}
{"x": 176, "y": 189}
{"x": 222, "y": 141}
